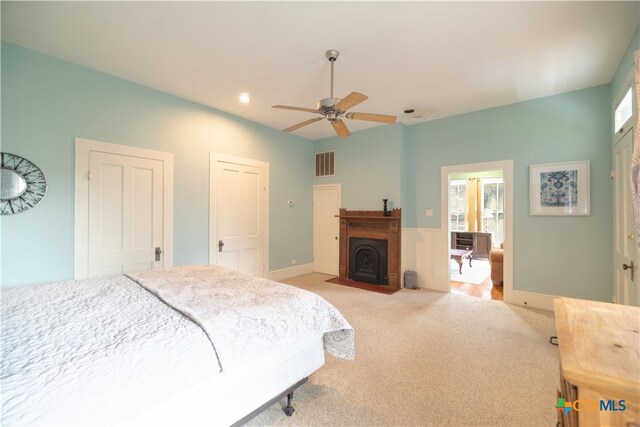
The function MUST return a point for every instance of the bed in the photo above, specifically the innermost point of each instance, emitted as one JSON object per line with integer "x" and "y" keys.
{"x": 197, "y": 345}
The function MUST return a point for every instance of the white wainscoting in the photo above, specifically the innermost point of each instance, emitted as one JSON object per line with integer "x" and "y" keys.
{"x": 425, "y": 251}
{"x": 531, "y": 299}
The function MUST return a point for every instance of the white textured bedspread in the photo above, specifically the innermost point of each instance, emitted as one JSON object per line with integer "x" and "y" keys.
{"x": 245, "y": 317}
{"x": 94, "y": 351}
{"x": 98, "y": 351}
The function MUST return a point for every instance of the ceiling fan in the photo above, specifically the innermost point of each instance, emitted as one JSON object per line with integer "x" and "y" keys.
{"x": 334, "y": 109}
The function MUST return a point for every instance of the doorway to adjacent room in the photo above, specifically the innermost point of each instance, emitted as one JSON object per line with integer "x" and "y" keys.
{"x": 476, "y": 227}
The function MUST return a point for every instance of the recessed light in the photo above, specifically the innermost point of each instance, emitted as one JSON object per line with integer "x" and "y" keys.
{"x": 245, "y": 98}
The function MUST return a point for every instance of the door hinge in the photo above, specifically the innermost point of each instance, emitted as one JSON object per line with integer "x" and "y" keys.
{"x": 89, "y": 176}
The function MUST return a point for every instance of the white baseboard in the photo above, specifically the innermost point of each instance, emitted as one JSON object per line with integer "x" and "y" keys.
{"x": 286, "y": 273}
{"x": 530, "y": 299}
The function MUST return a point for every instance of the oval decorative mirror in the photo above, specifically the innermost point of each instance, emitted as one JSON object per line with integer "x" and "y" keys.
{"x": 22, "y": 184}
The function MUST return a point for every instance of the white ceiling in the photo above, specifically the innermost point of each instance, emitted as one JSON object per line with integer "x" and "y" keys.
{"x": 440, "y": 58}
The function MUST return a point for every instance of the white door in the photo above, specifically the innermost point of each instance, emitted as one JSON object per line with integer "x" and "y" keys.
{"x": 626, "y": 290}
{"x": 239, "y": 225}
{"x": 125, "y": 214}
{"x": 326, "y": 228}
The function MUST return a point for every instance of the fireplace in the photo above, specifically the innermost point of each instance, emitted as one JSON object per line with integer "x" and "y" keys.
{"x": 370, "y": 248}
{"x": 368, "y": 260}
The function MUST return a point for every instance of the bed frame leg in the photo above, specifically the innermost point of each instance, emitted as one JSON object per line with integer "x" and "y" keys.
{"x": 288, "y": 410}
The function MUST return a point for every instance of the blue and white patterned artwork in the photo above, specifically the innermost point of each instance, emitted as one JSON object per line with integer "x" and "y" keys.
{"x": 559, "y": 188}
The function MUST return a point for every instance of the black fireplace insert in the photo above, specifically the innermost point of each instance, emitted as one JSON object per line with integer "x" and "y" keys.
{"x": 368, "y": 261}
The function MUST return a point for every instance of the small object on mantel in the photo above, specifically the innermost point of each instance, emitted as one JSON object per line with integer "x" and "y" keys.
{"x": 384, "y": 209}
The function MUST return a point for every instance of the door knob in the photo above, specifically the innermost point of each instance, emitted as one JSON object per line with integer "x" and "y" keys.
{"x": 220, "y": 245}
{"x": 629, "y": 267}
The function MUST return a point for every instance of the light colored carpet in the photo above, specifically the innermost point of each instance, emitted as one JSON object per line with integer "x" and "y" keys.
{"x": 476, "y": 274}
{"x": 429, "y": 358}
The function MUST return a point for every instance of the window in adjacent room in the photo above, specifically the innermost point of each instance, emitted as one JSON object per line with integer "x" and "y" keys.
{"x": 493, "y": 208}
{"x": 458, "y": 204}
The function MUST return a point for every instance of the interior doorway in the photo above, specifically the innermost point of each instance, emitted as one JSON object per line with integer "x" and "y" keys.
{"x": 239, "y": 214}
{"x": 326, "y": 228}
{"x": 477, "y": 216}
{"x": 123, "y": 209}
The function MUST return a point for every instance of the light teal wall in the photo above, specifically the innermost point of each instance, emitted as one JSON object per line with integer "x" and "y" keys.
{"x": 409, "y": 189}
{"x": 47, "y": 102}
{"x": 625, "y": 66}
{"x": 568, "y": 256}
{"x": 367, "y": 166}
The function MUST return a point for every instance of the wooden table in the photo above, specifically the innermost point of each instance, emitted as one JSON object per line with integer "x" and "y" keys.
{"x": 458, "y": 255}
{"x": 599, "y": 362}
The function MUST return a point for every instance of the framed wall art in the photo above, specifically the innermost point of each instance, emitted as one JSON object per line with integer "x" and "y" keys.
{"x": 560, "y": 189}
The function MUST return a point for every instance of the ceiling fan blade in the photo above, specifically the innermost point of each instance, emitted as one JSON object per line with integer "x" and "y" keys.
{"x": 299, "y": 125}
{"x": 382, "y": 118}
{"x": 354, "y": 98}
{"x": 288, "y": 107}
{"x": 340, "y": 128}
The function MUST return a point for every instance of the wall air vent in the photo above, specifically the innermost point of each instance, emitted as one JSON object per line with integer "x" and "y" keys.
{"x": 325, "y": 164}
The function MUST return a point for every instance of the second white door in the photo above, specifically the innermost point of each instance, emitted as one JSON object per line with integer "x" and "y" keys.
{"x": 239, "y": 208}
{"x": 326, "y": 228}
{"x": 125, "y": 214}
{"x": 625, "y": 271}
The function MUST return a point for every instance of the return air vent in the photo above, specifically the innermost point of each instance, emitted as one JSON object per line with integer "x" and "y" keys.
{"x": 325, "y": 164}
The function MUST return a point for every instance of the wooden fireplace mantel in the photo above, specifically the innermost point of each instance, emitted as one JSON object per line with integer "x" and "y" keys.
{"x": 372, "y": 225}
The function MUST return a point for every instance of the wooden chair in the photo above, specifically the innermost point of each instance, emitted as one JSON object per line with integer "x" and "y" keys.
{"x": 495, "y": 259}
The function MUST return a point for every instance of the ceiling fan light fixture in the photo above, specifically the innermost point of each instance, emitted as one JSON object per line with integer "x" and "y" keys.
{"x": 334, "y": 109}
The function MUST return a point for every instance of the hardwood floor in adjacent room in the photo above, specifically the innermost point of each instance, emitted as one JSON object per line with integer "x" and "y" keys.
{"x": 484, "y": 290}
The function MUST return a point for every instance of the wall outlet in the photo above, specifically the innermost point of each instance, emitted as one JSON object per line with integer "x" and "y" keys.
{"x": 293, "y": 261}
{"x": 428, "y": 212}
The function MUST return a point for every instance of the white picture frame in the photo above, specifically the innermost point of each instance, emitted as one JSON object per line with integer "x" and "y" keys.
{"x": 560, "y": 189}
